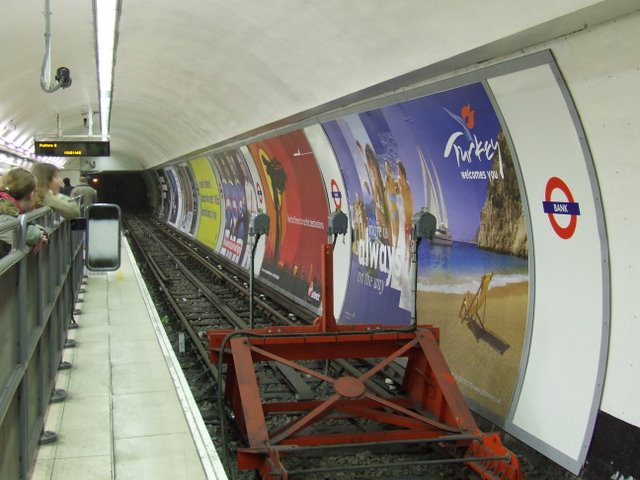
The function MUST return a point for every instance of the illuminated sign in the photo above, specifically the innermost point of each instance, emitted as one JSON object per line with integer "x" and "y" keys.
{"x": 78, "y": 148}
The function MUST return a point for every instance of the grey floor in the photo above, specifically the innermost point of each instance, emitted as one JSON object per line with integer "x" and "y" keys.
{"x": 128, "y": 412}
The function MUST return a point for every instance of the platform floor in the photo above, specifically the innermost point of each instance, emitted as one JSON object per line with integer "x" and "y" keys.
{"x": 129, "y": 413}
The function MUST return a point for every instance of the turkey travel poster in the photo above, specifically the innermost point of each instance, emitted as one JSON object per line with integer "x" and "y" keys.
{"x": 297, "y": 205}
{"x": 439, "y": 152}
{"x": 233, "y": 175}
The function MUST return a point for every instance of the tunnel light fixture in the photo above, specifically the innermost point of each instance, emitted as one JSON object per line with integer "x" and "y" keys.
{"x": 106, "y": 22}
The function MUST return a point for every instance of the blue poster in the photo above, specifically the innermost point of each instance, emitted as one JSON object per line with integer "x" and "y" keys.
{"x": 237, "y": 190}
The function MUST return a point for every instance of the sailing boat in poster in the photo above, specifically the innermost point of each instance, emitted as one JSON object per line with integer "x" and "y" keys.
{"x": 435, "y": 200}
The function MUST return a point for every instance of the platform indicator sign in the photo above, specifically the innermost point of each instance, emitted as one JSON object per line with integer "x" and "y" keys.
{"x": 76, "y": 148}
{"x": 570, "y": 208}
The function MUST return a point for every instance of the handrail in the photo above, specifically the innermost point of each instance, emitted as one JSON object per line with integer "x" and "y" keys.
{"x": 37, "y": 297}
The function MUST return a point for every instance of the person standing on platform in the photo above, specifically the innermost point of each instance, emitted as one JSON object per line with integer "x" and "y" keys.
{"x": 88, "y": 193}
{"x": 67, "y": 187}
{"x": 17, "y": 196}
{"x": 48, "y": 184}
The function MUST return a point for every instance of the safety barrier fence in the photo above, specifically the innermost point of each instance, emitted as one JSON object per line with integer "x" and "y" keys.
{"x": 37, "y": 296}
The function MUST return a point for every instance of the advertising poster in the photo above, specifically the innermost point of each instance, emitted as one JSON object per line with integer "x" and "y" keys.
{"x": 165, "y": 200}
{"x": 255, "y": 192}
{"x": 187, "y": 220}
{"x": 296, "y": 203}
{"x": 238, "y": 202}
{"x": 446, "y": 153}
{"x": 209, "y": 196}
{"x": 381, "y": 203}
{"x": 174, "y": 195}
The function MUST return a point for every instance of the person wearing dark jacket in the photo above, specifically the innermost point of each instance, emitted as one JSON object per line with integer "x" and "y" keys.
{"x": 66, "y": 187}
{"x": 87, "y": 192}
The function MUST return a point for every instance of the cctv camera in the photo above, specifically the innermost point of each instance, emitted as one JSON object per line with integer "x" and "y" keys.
{"x": 63, "y": 77}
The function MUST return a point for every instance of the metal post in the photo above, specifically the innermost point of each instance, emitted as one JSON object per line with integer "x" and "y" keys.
{"x": 254, "y": 242}
{"x": 414, "y": 277}
{"x": 423, "y": 225}
{"x": 23, "y": 348}
{"x": 259, "y": 225}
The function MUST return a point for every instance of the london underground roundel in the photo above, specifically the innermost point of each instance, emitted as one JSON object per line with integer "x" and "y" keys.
{"x": 570, "y": 208}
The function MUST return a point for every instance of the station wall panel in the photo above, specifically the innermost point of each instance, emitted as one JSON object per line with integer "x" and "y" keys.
{"x": 498, "y": 156}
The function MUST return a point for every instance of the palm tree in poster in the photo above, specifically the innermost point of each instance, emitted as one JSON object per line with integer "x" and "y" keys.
{"x": 278, "y": 179}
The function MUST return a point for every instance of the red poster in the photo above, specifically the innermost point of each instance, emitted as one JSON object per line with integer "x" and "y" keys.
{"x": 297, "y": 205}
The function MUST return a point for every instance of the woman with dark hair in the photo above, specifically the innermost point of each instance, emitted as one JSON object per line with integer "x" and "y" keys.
{"x": 48, "y": 184}
{"x": 17, "y": 195}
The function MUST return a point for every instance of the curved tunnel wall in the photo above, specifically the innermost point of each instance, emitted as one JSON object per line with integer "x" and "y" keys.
{"x": 499, "y": 157}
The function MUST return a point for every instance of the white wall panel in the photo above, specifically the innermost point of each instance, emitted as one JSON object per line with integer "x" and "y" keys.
{"x": 562, "y": 383}
{"x": 336, "y": 192}
{"x": 605, "y": 92}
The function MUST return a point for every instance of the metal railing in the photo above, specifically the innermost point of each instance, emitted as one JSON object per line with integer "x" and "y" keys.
{"x": 37, "y": 296}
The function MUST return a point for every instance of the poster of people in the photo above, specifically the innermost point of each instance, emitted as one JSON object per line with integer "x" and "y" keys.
{"x": 238, "y": 203}
{"x": 445, "y": 153}
{"x": 297, "y": 206}
{"x": 381, "y": 202}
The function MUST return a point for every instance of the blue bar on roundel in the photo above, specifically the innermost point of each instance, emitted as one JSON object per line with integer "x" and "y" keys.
{"x": 561, "y": 208}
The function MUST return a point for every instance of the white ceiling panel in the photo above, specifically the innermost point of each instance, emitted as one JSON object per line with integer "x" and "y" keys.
{"x": 192, "y": 74}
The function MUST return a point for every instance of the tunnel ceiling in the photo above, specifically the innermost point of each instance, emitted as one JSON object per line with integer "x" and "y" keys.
{"x": 193, "y": 74}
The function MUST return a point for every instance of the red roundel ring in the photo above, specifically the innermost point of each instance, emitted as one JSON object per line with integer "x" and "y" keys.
{"x": 563, "y": 232}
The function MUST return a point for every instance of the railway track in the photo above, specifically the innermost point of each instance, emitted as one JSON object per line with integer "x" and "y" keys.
{"x": 195, "y": 292}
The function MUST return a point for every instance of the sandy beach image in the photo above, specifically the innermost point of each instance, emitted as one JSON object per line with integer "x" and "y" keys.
{"x": 484, "y": 362}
